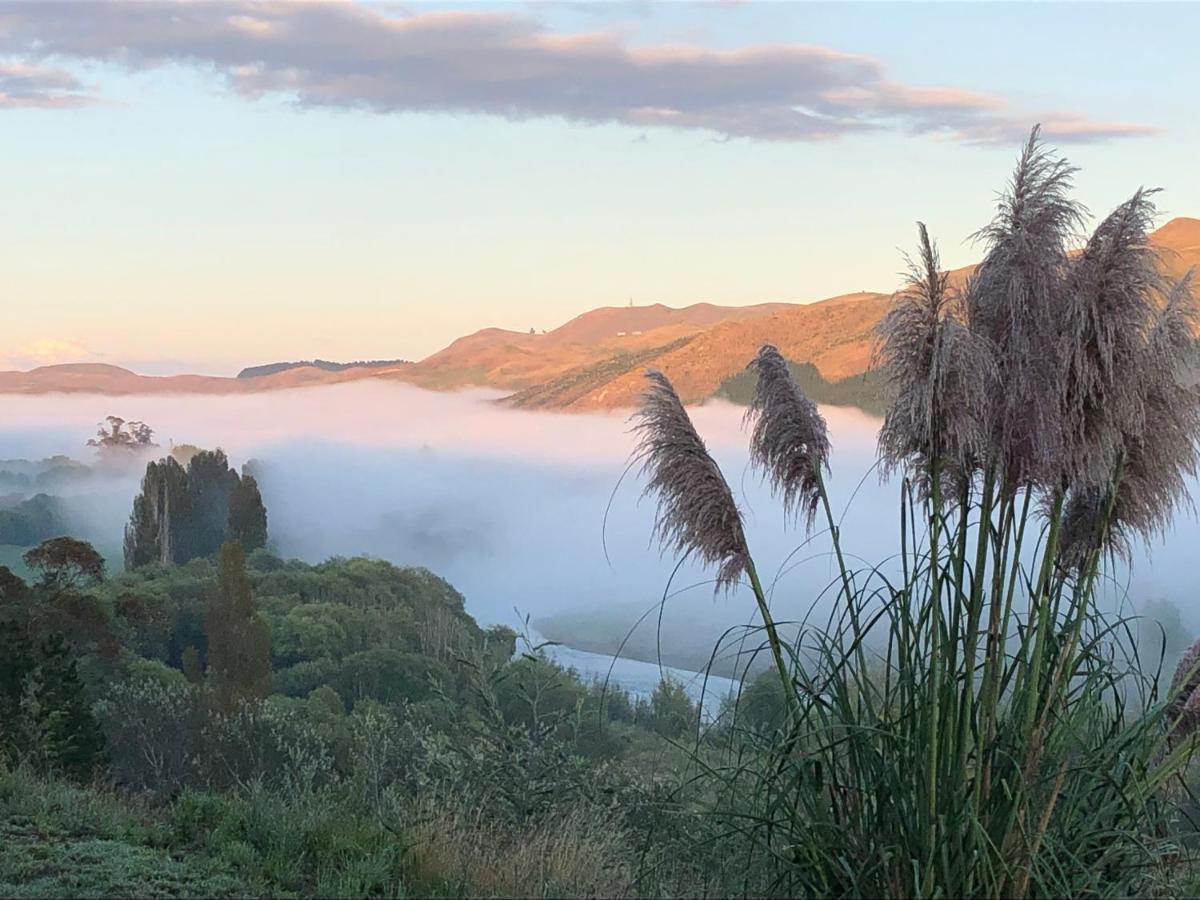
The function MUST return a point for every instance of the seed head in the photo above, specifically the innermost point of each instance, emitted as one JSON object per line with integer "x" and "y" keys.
{"x": 696, "y": 510}
{"x": 789, "y": 441}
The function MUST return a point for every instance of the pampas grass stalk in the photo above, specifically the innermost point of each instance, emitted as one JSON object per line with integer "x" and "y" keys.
{"x": 697, "y": 513}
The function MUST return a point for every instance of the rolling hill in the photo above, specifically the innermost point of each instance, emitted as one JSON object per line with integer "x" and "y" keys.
{"x": 326, "y": 365}
{"x": 595, "y": 360}
{"x": 835, "y": 336}
{"x": 515, "y": 360}
{"x": 100, "y": 378}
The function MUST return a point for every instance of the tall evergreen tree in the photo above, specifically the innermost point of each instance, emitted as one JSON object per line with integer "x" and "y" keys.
{"x": 247, "y": 514}
{"x": 210, "y": 483}
{"x": 239, "y": 639}
{"x": 184, "y": 513}
{"x": 56, "y": 724}
{"x": 16, "y": 664}
{"x": 158, "y": 528}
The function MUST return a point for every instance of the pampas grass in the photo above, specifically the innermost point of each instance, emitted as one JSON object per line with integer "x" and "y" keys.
{"x": 973, "y": 726}
{"x": 696, "y": 510}
{"x": 789, "y": 440}
{"x": 939, "y": 373}
{"x": 1014, "y": 300}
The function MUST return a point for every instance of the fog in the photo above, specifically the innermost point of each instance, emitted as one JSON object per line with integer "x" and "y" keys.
{"x": 509, "y": 506}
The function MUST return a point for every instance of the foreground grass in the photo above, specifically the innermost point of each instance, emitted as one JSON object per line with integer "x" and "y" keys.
{"x": 62, "y": 840}
{"x": 58, "y": 840}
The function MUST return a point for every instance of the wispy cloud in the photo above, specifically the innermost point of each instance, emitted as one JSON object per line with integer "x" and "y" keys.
{"x": 347, "y": 54}
{"x": 24, "y": 86}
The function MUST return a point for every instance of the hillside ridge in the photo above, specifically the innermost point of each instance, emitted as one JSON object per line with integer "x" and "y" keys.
{"x": 594, "y": 360}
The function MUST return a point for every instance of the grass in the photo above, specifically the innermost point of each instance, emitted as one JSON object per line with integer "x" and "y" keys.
{"x": 969, "y": 723}
{"x": 63, "y": 840}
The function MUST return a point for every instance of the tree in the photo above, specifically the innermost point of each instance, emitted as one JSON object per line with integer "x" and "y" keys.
{"x": 184, "y": 513}
{"x": 65, "y": 564}
{"x": 764, "y": 705}
{"x": 247, "y": 514}
{"x": 122, "y": 435}
{"x": 56, "y": 725}
{"x": 239, "y": 639}
{"x": 671, "y": 709}
{"x": 210, "y": 483}
{"x": 158, "y": 528}
{"x": 13, "y": 590}
{"x": 16, "y": 663}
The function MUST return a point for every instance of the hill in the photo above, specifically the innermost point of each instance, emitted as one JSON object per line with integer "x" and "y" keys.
{"x": 99, "y": 378}
{"x": 834, "y": 335}
{"x": 516, "y": 360}
{"x": 322, "y": 364}
{"x": 595, "y": 360}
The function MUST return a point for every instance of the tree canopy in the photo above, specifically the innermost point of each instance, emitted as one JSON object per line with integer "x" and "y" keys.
{"x": 184, "y": 513}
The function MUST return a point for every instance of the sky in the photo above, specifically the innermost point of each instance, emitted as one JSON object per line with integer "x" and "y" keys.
{"x": 200, "y": 186}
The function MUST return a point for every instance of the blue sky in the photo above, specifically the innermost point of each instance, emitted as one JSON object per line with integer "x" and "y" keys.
{"x": 173, "y": 204}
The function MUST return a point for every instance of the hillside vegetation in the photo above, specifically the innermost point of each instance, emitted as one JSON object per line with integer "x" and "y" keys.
{"x": 250, "y": 726}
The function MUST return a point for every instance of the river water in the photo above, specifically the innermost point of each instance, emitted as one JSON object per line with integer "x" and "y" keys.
{"x": 640, "y": 678}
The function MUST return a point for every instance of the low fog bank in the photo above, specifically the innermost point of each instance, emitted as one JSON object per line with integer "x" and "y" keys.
{"x": 510, "y": 506}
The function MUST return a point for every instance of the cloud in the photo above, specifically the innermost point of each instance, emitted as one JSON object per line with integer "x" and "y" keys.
{"x": 349, "y": 55}
{"x": 25, "y": 86}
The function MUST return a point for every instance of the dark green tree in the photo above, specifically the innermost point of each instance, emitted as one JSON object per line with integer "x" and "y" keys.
{"x": 181, "y": 514}
{"x": 62, "y": 603}
{"x": 672, "y": 713}
{"x": 16, "y": 658}
{"x": 239, "y": 639}
{"x": 16, "y": 664}
{"x": 65, "y": 564}
{"x": 158, "y": 529}
{"x": 13, "y": 590}
{"x": 57, "y": 727}
{"x": 247, "y": 514}
{"x": 763, "y": 706}
{"x": 210, "y": 483}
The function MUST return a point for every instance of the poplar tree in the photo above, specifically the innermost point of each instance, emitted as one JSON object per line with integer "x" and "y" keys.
{"x": 239, "y": 639}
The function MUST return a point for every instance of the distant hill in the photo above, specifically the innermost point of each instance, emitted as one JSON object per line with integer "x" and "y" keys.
{"x": 95, "y": 378}
{"x": 518, "y": 360}
{"x": 836, "y": 336}
{"x": 595, "y": 361}
{"x": 322, "y": 364}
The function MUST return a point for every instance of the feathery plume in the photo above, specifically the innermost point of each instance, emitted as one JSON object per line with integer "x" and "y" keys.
{"x": 696, "y": 510}
{"x": 1114, "y": 287}
{"x": 939, "y": 373}
{"x": 1159, "y": 450}
{"x": 1184, "y": 706}
{"x": 790, "y": 441}
{"x": 1162, "y": 454}
{"x": 1014, "y": 301}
